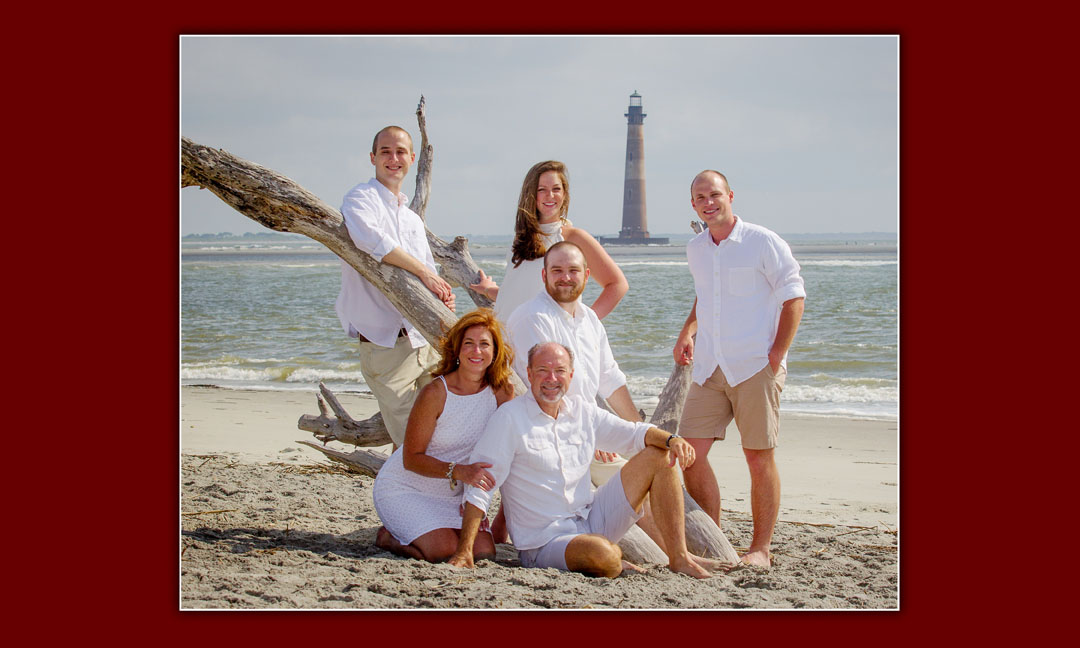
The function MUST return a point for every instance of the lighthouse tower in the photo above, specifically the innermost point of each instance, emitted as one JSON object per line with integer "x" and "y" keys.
{"x": 634, "y": 230}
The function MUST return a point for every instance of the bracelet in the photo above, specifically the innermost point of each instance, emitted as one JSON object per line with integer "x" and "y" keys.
{"x": 450, "y": 475}
{"x": 667, "y": 444}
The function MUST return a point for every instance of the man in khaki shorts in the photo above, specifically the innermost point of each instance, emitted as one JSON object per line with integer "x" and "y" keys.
{"x": 749, "y": 302}
{"x": 395, "y": 359}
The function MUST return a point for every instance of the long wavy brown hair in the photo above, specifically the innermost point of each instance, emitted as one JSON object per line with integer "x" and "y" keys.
{"x": 528, "y": 244}
{"x": 497, "y": 375}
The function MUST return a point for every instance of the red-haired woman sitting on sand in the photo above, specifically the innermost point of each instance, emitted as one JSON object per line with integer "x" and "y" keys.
{"x": 418, "y": 490}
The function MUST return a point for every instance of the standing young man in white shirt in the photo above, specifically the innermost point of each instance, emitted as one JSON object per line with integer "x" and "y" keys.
{"x": 395, "y": 359}
{"x": 540, "y": 445}
{"x": 749, "y": 304}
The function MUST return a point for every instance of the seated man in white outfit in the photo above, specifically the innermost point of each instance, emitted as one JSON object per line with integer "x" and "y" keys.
{"x": 557, "y": 314}
{"x": 540, "y": 445}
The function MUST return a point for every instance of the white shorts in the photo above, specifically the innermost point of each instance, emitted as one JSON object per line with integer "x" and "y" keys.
{"x": 610, "y": 515}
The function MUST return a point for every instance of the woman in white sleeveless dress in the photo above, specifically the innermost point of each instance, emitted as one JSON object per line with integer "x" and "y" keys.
{"x": 541, "y": 222}
{"x": 418, "y": 490}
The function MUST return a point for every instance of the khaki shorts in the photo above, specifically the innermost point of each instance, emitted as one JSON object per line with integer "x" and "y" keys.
{"x": 754, "y": 404}
{"x": 395, "y": 375}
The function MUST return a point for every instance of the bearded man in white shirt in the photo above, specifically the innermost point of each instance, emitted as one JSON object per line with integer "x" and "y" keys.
{"x": 749, "y": 302}
{"x": 540, "y": 445}
{"x": 557, "y": 314}
{"x": 395, "y": 359}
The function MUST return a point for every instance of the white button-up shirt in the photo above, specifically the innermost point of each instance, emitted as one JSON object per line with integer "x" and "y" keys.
{"x": 741, "y": 285}
{"x": 542, "y": 319}
{"x": 378, "y": 221}
{"x": 541, "y": 464}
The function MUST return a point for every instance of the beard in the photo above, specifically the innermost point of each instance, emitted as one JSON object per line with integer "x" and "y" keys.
{"x": 565, "y": 294}
{"x": 540, "y": 395}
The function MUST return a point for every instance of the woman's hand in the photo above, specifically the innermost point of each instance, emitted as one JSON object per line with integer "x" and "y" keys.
{"x": 475, "y": 475}
{"x": 486, "y": 286}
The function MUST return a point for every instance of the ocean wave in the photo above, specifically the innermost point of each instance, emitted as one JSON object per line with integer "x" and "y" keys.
{"x": 841, "y": 394}
{"x": 288, "y": 374}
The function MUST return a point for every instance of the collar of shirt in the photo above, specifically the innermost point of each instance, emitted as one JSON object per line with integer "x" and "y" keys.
{"x": 553, "y": 305}
{"x": 735, "y": 236}
{"x": 393, "y": 201}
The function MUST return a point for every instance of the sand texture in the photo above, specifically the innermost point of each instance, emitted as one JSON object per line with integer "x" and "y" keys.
{"x": 267, "y": 523}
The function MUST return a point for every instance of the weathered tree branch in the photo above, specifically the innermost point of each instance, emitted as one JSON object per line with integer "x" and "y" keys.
{"x": 278, "y": 203}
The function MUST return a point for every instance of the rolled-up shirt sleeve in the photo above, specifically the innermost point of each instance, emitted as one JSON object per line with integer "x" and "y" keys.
{"x": 496, "y": 446}
{"x": 611, "y": 377}
{"x": 619, "y": 435}
{"x": 782, "y": 271}
{"x": 361, "y": 219}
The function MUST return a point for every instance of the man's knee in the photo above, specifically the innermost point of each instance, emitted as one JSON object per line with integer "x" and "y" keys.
{"x": 760, "y": 461}
{"x": 594, "y": 555}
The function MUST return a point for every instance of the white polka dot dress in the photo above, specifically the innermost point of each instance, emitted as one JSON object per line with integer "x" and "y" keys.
{"x": 410, "y": 504}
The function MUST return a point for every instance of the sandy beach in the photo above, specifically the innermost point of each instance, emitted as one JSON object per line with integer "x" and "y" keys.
{"x": 269, "y": 523}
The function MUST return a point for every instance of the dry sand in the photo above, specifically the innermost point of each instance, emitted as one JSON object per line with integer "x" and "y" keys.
{"x": 295, "y": 532}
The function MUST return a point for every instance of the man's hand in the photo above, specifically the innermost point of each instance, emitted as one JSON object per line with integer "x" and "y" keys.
{"x": 462, "y": 559}
{"x": 439, "y": 287}
{"x": 774, "y": 359}
{"x": 682, "y": 452}
{"x": 684, "y": 349}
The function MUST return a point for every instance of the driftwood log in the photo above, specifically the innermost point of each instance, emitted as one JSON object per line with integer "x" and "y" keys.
{"x": 278, "y": 203}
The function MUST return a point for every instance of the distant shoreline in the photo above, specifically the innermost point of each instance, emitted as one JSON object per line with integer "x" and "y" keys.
{"x": 221, "y": 248}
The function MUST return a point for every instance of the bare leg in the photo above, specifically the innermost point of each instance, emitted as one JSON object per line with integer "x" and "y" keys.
{"x": 648, "y": 525}
{"x": 594, "y": 555}
{"x": 648, "y": 472}
{"x": 383, "y": 540}
{"x": 440, "y": 544}
{"x": 701, "y": 480}
{"x": 764, "y": 503}
{"x": 498, "y": 527}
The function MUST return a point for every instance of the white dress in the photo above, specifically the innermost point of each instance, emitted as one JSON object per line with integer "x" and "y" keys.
{"x": 410, "y": 504}
{"x": 522, "y": 283}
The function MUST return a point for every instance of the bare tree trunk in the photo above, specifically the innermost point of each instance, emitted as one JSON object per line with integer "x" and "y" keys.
{"x": 278, "y": 203}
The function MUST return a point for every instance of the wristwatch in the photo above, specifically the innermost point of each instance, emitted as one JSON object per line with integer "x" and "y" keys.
{"x": 667, "y": 444}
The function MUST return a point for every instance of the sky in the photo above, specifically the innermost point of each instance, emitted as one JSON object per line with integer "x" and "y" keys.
{"x": 806, "y": 128}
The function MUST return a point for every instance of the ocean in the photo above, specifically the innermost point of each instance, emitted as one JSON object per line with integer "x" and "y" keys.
{"x": 257, "y": 312}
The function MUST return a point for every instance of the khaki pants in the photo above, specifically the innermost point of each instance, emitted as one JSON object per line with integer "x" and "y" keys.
{"x": 394, "y": 376}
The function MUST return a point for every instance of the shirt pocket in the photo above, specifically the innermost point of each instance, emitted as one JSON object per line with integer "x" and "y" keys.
{"x": 542, "y": 453}
{"x": 742, "y": 281}
{"x": 578, "y": 450}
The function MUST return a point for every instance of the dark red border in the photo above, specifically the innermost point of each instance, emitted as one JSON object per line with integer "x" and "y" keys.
{"x": 118, "y": 87}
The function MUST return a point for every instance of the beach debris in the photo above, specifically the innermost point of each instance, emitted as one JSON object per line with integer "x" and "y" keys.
{"x": 280, "y": 204}
{"x": 209, "y": 512}
{"x": 341, "y": 426}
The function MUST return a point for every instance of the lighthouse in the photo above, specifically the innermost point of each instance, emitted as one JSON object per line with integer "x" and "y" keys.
{"x": 635, "y": 229}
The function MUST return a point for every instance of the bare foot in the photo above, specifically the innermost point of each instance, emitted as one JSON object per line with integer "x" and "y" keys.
{"x": 711, "y": 564}
{"x": 690, "y": 568}
{"x": 384, "y": 540}
{"x": 757, "y": 559}
{"x": 628, "y": 567}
